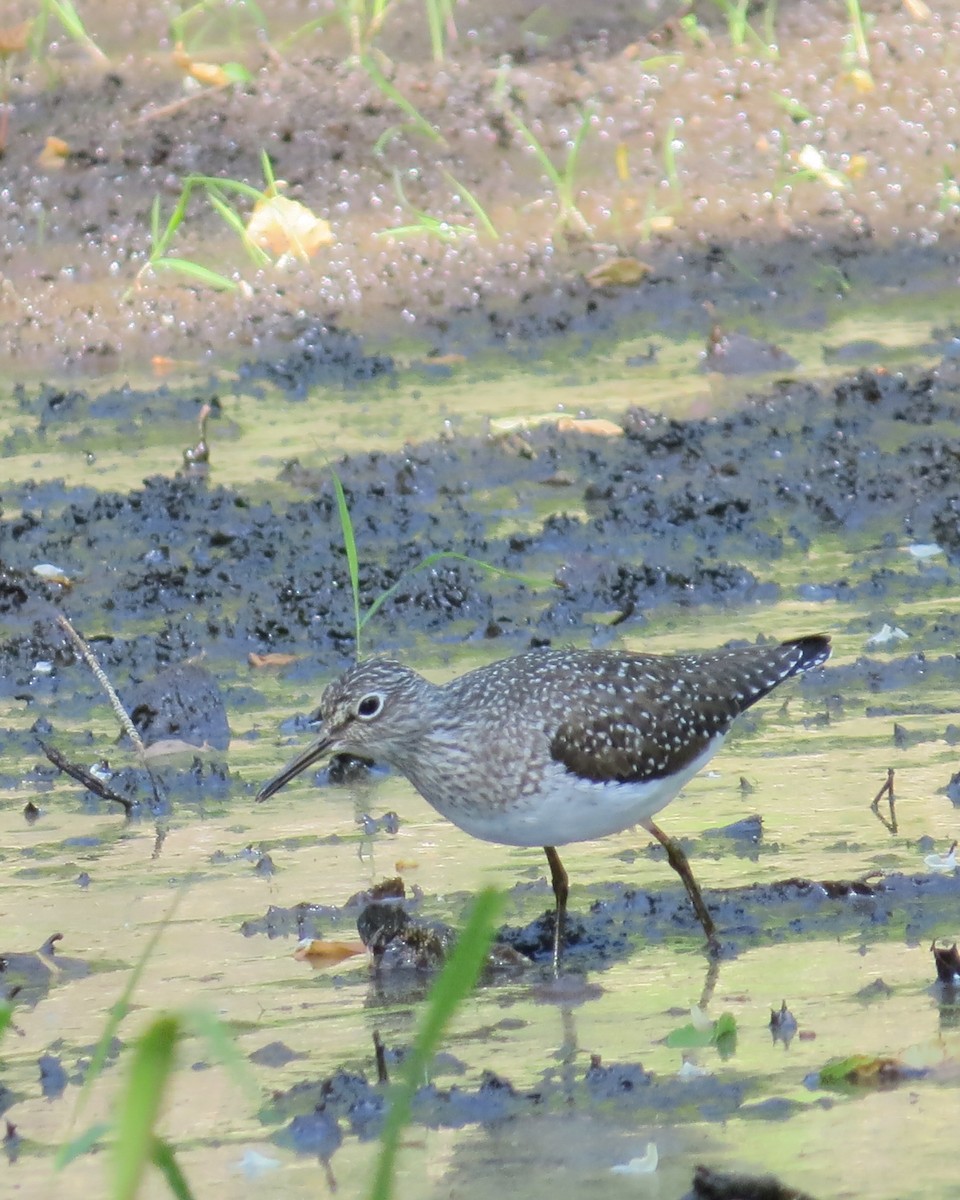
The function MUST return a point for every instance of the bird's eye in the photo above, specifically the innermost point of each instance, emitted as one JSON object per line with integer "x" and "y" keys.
{"x": 370, "y": 705}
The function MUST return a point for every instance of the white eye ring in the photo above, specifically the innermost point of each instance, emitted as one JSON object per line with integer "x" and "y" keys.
{"x": 370, "y": 706}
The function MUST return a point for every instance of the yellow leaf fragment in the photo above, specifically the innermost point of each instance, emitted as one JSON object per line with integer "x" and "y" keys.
{"x": 284, "y": 226}
{"x": 618, "y": 272}
{"x": 209, "y": 74}
{"x": 861, "y": 79}
{"x": 53, "y": 155}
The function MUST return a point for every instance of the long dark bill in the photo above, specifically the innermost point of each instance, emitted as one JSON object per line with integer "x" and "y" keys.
{"x": 309, "y": 756}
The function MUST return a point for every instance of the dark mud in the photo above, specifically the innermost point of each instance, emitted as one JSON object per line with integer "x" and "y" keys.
{"x": 699, "y": 513}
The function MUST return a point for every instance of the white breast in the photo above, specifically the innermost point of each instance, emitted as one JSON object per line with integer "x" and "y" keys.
{"x": 570, "y": 809}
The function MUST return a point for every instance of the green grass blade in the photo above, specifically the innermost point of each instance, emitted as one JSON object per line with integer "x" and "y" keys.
{"x": 165, "y": 1162}
{"x": 267, "y": 168}
{"x": 196, "y": 271}
{"x": 428, "y": 562}
{"x": 228, "y": 215}
{"x": 215, "y": 183}
{"x": 206, "y": 1026}
{"x": 476, "y": 207}
{"x": 150, "y": 1071}
{"x": 350, "y": 545}
{"x": 69, "y": 18}
{"x": 6, "y": 1015}
{"x": 117, "y": 1012}
{"x": 400, "y": 100}
{"x": 435, "y": 25}
{"x": 83, "y": 1142}
{"x": 454, "y": 983}
{"x": 541, "y": 155}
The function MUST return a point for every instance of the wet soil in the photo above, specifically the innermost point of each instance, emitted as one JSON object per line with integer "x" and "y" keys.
{"x": 697, "y": 161}
{"x": 807, "y": 506}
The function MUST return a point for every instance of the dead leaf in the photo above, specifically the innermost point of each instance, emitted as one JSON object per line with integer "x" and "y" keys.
{"x": 285, "y": 226}
{"x": 54, "y": 154}
{"x": 53, "y": 574}
{"x": 618, "y": 272}
{"x": 597, "y": 426}
{"x": 319, "y": 953}
{"x": 271, "y": 660}
{"x": 14, "y": 38}
{"x": 209, "y": 74}
{"x": 406, "y": 864}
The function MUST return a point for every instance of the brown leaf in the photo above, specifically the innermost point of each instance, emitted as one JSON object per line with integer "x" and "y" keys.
{"x": 320, "y": 953}
{"x": 271, "y": 660}
{"x": 14, "y": 38}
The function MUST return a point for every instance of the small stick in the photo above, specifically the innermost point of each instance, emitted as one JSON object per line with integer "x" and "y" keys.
{"x": 886, "y": 790}
{"x": 380, "y": 1051}
{"x": 115, "y": 702}
{"x": 81, "y": 775}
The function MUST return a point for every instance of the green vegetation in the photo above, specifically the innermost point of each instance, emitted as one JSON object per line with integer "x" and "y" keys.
{"x": 353, "y": 567}
{"x": 453, "y": 985}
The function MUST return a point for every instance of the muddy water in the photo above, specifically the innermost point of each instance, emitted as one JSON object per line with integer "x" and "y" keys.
{"x": 736, "y": 505}
{"x": 854, "y": 969}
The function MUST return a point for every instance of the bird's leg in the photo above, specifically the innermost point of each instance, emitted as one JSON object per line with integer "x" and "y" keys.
{"x": 678, "y": 860}
{"x": 561, "y": 889}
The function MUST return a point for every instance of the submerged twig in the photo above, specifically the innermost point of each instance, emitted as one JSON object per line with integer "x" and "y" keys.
{"x": 81, "y": 775}
{"x": 886, "y": 790}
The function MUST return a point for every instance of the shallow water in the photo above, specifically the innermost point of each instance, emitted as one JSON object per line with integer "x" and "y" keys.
{"x": 812, "y": 782}
{"x": 815, "y": 497}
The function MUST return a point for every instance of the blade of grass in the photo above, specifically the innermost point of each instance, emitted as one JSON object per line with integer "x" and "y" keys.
{"x": 429, "y": 561}
{"x": 165, "y": 1162}
{"x": 150, "y": 1072}
{"x": 478, "y": 210}
{"x": 196, "y": 271}
{"x": 117, "y": 1013}
{"x": 454, "y": 983}
{"x": 69, "y": 18}
{"x": 400, "y": 100}
{"x": 350, "y": 545}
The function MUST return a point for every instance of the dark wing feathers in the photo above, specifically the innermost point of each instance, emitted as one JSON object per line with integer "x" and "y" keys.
{"x": 649, "y": 717}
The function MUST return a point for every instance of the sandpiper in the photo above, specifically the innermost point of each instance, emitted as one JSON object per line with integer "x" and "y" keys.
{"x": 554, "y": 746}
